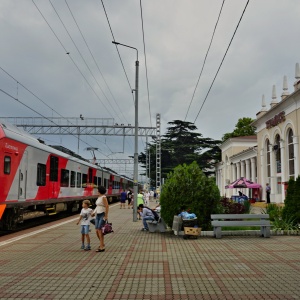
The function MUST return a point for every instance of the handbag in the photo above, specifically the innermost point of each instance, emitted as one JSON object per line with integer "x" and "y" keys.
{"x": 93, "y": 221}
{"x": 106, "y": 228}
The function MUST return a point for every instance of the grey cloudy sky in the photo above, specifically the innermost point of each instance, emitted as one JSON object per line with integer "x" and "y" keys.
{"x": 177, "y": 34}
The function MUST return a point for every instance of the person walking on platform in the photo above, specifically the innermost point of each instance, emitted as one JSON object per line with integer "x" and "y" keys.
{"x": 123, "y": 199}
{"x": 129, "y": 198}
{"x": 101, "y": 212}
{"x": 85, "y": 217}
{"x": 268, "y": 191}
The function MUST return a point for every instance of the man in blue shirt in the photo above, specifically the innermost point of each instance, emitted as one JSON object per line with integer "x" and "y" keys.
{"x": 123, "y": 199}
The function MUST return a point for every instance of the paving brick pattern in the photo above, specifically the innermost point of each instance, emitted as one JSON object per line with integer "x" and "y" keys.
{"x": 143, "y": 265}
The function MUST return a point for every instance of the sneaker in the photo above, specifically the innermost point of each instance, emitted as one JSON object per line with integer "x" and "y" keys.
{"x": 144, "y": 229}
{"x": 87, "y": 248}
{"x": 82, "y": 246}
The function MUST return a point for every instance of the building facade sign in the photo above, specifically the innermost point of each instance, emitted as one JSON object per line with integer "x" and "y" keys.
{"x": 279, "y": 118}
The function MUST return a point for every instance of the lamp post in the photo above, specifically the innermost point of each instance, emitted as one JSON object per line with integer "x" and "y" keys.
{"x": 136, "y": 123}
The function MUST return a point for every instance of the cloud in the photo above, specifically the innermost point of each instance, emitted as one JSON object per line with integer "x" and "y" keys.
{"x": 177, "y": 35}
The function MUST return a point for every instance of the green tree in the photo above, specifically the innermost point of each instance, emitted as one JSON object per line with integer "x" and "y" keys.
{"x": 182, "y": 145}
{"x": 292, "y": 201}
{"x": 242, "y": 128}
{"x": 188, "y": 186}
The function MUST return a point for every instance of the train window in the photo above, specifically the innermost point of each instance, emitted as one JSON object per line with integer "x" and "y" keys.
{"x": 73, "y": 176}
{"x": 7, "y": 164}
{"x": 95, "y": 182}
{"x": 78, "y": 181}
{"x": 105, "y": 182}
{"x": 84, "y": 180}
{"x": 41, "y": 175}
{"x": 53, "y": 168}
{"x": 99, "y": 181}
{"x": 64, "y": 180}
{"x": 90, "y": 175}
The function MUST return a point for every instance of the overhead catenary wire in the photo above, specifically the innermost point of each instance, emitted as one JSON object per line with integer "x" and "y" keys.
{"x": 97, "y": 65}
{"x": 205, "y": 59}
{"x": 131, "y": 89}
{"x": 221, "y": 61}
{"x": 69, "y": 55}
{"x": 63, "y": 24}
{"x": 35, "y": 111}
{"x": 37, "y": 97}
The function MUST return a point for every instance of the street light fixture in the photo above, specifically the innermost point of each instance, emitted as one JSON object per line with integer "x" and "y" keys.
{"x": 135, "y": 175}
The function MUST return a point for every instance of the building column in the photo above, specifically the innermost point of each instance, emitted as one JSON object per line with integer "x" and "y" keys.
{"x": 253, "y": 169}
{"x": 296, "y": 155}
{"x": 247, "y": 162}
{"x": 238, "y": 170}
{"x": 272, "y": 171}
{"x": 233, "y": 172}
{"x": 262, "y": 179}
{"x": 283, "y": 169}
{"x": 243, "y": 168}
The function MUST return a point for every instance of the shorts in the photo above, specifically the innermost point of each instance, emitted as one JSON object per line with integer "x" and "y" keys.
{"x": 85, "y": 229}
{"x": 99, "y": 222}
{"x": 123, "y": 200}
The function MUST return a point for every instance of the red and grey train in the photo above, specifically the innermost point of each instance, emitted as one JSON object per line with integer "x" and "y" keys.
{"x": 37, "y": 180}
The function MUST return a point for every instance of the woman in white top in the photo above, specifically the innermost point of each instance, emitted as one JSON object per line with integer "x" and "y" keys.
{"x": 101, "y": 212}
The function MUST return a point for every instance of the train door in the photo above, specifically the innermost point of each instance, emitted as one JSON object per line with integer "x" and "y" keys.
{"x": 23, "y": 177}
{"x": 53, "y": 178}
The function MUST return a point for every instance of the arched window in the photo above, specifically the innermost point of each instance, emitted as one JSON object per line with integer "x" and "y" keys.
{"x": 277, "y": 151}
{"x": 291, "y": 154}
{"x": 268, "y": 159}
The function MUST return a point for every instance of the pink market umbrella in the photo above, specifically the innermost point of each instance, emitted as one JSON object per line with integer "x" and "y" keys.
{"x": 243, "y": 183}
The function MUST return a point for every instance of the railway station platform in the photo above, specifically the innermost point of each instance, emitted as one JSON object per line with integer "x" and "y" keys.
{"x": 47, "y": 263}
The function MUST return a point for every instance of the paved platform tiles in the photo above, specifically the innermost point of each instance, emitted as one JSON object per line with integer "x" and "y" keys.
{"x": 143, "y": 265}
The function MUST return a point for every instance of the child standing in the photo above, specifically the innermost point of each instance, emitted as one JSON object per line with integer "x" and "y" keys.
{"x": 85, "y": 217}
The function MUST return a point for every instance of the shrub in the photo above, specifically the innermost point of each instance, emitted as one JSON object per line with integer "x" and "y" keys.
{"x": 274, "y": 211}
{"x": 292, "y": 201}
{"x": 188, "y": 186}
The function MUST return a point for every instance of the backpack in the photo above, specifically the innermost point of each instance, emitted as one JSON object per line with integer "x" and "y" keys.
{"x": 155, "y": 214}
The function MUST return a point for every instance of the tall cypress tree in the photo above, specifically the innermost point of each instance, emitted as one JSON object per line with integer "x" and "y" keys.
{"x": 292, "y": 201}
{"x": 181, "y": 144}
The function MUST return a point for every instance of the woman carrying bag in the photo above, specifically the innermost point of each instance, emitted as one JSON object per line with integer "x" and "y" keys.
{"x": 101, "y": 212}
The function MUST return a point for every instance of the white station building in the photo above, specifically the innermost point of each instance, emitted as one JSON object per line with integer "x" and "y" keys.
{"x": 272, "y": 156}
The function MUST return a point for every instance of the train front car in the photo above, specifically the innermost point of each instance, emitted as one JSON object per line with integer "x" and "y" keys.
{"x": 13, "y": 172}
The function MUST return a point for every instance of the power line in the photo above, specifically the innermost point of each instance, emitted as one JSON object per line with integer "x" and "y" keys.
{"x": 205, "y": 59}
{"x": 72, "y": 60}
{"x": 94, "y": 59}
{"x": 19, "y": 83}
{"x": 145, "y": 62}
{"x": 83, "y": 58}
{"x": 117, "y": 49}
{"x": 222, "y": 61}
{"x": 68, "y": 53}
{"x": 9, "y": 95}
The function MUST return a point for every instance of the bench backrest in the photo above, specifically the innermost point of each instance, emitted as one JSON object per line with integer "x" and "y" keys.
{"x": 241, "y": 223}
{"x": 239, "y": 216}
